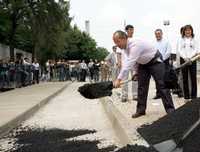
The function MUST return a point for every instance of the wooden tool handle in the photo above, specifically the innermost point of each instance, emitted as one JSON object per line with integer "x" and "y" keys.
{"x": 188, "y": 62}
{"x": 195, "y": 57}
{"x": 193, "y": 127}
{"x": 125, "y": 81}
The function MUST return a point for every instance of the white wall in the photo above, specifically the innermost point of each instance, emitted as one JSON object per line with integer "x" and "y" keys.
{"x": 5, "y": 52}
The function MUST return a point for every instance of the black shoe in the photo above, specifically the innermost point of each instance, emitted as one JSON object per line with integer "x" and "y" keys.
{"x": 137, "y": 114}
{"x": 156, "y": 97}
{"x": 170, "y": 110}
{"x": 180, "y": 95}
{"x": 135, "y": 98}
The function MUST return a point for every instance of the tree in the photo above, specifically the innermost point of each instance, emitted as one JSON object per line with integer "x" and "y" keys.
{"x": 4, "y": 25}
{"x": 79, "y": 45}
{"x": 12, "y": 10}
{"x": 43, "y": 28}
{"x": 46, "y": 22}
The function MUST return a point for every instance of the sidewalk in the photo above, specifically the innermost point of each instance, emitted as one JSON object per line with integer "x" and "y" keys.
{"x": 19, "y": 104}
{"x": 121, "y": 113}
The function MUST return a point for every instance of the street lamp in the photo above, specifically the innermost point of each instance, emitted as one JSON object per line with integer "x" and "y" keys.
{"x": 166, "y": 24}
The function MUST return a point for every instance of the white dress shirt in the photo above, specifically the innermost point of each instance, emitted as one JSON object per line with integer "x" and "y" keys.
{"x": 138, "y": 52}
{"x": 122, "y": 52}
{"x": 36, "y": 66}
{"x": 90, "y": 64}
{"x": 186, "y": 48}
{"x": 83, "y": 65}
{"x": 164, "y": 48}
{"x": 112, "y": 59}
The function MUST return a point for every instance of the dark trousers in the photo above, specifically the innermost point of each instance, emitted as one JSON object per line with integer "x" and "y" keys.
{"x": 83, "y": 74}
{"x": 166, "y": 62}
{"x": 36, "y": 76}
{"x": 192, "y": 69}
{"x": 157, "y": 71}
{"x": 91, "y": 73}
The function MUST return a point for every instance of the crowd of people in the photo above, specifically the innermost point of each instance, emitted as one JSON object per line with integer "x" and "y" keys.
{"x": 129, "y": 57}
{"x": 19, "y": 73}
{"x": 146, "y": 60}
{"x": 23, "y": 72}
{"x": 77, "y": 70}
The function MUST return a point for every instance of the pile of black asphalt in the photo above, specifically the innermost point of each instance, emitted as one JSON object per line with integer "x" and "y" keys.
{"x": 174, "y": 125}
{"x": 29, "y": 139}
{"x": 96, "y": 90}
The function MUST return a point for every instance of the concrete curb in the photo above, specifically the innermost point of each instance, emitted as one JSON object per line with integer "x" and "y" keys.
{"x": 118, "y": 121}
{"x": 126, "y": 133}
{"x": 27, "y": 114}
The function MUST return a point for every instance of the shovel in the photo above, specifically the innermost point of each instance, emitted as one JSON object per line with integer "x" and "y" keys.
{"x": 171, "y": 146}
{"x": 171, "y": 78}
{"x": 98, "y": 90}
{"x": 196, "y": 57}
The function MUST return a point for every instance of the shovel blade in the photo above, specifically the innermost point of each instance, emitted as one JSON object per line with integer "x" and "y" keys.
{"x": 167, "y": 146}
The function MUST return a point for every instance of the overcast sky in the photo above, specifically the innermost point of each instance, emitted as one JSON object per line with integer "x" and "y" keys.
{"x": 107, "y": 16}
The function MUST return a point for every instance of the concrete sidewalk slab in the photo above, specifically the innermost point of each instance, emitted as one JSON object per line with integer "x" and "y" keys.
{"x": 19, "y": 104}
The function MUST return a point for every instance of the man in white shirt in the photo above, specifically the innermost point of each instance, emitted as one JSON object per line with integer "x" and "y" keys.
{"x": 84, "y": 68}
{"x": 145, "y": 61}
{"x": 164, "y": 47}
{"x": 111, "y": 59}
{"x": 121, "y": 58}
{"x": 47, "y": 71}
{"x": 36, "y": 68}
{"x": 91, "y": 69}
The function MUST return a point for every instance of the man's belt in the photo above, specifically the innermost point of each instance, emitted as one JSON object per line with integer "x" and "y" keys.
{"x": 156, "y": 59}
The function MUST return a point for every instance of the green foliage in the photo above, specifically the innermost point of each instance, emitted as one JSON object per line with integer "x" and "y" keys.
{"x": 4, "y": 26}
{"x": 43, "y": 28}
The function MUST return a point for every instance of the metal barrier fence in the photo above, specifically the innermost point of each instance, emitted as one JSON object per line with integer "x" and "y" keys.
{"x": 15, "y": 75}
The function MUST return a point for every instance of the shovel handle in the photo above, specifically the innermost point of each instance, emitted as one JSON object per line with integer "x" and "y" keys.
{"x": 191, "y": 60}
{"x": 125, "y": 81}
{"x": 193, "y": 127}
{"x": 195, "y": 57}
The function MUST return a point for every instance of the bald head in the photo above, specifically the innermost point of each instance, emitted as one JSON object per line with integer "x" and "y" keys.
{"x": 120, "y": 34}
{"x": 120, "y": 39}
